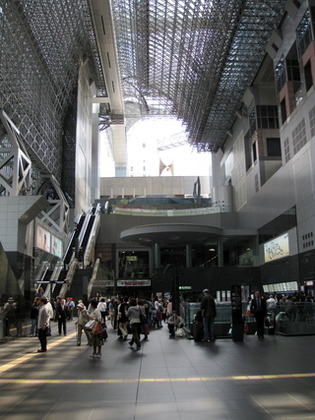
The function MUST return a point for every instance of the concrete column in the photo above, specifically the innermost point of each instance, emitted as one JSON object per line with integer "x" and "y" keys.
{"x": 220, "y": 252}
{"x": 157, "y": 255}
{"x": 188, "y": 256}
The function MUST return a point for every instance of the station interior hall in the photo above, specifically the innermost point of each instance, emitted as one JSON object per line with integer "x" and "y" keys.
{"x": 155, "y": 149}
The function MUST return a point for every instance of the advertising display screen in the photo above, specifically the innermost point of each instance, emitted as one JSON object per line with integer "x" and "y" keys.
{"x": 48, "y": 242}
{"x": 56, "y": 246}
{"x": 42, "y": 239}
{"x": 277, "y": 248}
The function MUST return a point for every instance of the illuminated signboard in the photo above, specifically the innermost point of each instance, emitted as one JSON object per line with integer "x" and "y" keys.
{"x": 287, "y": 286}
{"x": 133, "y": 283}
{"x": 132, "y": 258}
{"x": 277, "y": 248}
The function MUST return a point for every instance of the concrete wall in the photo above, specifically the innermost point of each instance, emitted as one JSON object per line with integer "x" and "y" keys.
{"x": 144, "y": 186}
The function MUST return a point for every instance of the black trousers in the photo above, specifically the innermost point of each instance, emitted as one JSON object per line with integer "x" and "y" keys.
{"x": 135, "y": 328}
{"x": 260, "y": 324}
{"x": 43, "y": 339}
{"x": 171, "y": 328}
{"x": 62, "y": 323}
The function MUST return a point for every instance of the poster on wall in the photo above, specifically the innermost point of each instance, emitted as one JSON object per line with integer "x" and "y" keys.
{"x": 277, "y": 248}
{"x": 42, "y": 239}
{"x": 56, "y": 246}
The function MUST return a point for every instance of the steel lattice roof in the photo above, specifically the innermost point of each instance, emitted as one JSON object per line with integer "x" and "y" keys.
{"x": 192, "y": 58}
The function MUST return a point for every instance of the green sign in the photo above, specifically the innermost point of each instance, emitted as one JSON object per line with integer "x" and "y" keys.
{"x": 185, "y": 287}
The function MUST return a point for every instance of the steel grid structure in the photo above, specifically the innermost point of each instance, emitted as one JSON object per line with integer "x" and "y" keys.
{"x": 193, "y": 58}
{"x": 41, "y": 46}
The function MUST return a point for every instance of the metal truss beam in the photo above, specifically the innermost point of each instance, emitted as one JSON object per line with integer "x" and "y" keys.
{"x": 42, "y": 44}
{"x": 193, "y": 58}
{"x": 15, "y": 164}
{"x": 56, "y": 214}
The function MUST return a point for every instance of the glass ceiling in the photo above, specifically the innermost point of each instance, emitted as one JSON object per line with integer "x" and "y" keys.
{"x": 192, "y": 59}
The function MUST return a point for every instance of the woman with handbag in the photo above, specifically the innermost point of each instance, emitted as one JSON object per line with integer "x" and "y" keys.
{"x": 96, "y": 333}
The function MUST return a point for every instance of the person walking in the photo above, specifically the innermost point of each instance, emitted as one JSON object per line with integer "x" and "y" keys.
{"x": 83, "y": 318}
{"x": 102, "y": 307}
{"x": 208, "y": 311}
{"x": 258, "y": 308}
{"x": 122, "y": 318}
{"x": 42, "y": 324}
{"x": 133, "y": 314}
{"x": 96, "y": 338}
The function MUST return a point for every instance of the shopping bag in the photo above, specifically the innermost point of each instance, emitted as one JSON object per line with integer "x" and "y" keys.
{"x": 89, "y": 325}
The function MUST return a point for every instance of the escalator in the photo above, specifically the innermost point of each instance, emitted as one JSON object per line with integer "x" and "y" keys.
{"x": 73, "y": 243}
{"x": 86, "y": 237}
{"x": 77, "y": 254}
{"x": 55, "y": 279}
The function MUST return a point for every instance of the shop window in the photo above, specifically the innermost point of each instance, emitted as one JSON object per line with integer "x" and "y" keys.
{"x": 133, "y": 264}
{"x": 204, "y": 255}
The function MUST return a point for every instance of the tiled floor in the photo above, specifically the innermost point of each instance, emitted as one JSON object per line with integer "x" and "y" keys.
{"x": 170, "y": 379}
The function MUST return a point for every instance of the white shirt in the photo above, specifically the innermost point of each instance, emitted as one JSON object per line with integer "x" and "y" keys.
{"x": 102, "y": 306}
{"x": 49, "y": 310}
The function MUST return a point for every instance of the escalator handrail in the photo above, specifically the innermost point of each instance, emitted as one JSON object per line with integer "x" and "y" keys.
{"x": 68, "y": 280}
{"x": 92, "y": 238}
{"x": 85, "y": 226}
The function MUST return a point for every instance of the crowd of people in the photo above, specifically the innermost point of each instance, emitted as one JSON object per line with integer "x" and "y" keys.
{"x": 296, "y": 307}
{"x": 135, "y": 318}
{"x": 128, "y": 316}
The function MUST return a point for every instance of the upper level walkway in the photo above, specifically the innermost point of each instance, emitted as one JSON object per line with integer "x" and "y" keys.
{"x": 177, "y": 379}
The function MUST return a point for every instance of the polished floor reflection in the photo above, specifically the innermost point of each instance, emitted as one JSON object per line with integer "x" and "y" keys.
{"x": 176, "y": 379}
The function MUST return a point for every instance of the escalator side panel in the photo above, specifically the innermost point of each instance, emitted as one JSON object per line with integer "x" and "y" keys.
{"x": 74, "y": 240}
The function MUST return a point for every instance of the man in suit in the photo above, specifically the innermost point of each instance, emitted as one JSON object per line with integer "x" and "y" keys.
{"x": 62, "y": 313}
{"x": 42, "y": 324}
{"x": 258, "y": 308}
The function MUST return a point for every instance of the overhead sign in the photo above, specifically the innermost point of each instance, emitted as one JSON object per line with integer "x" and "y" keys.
{"x": 105, "y": 283}
{"x": 134, "y": 283}
{"x": 287, "y": 286}
{"x": 131, "y": 258}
